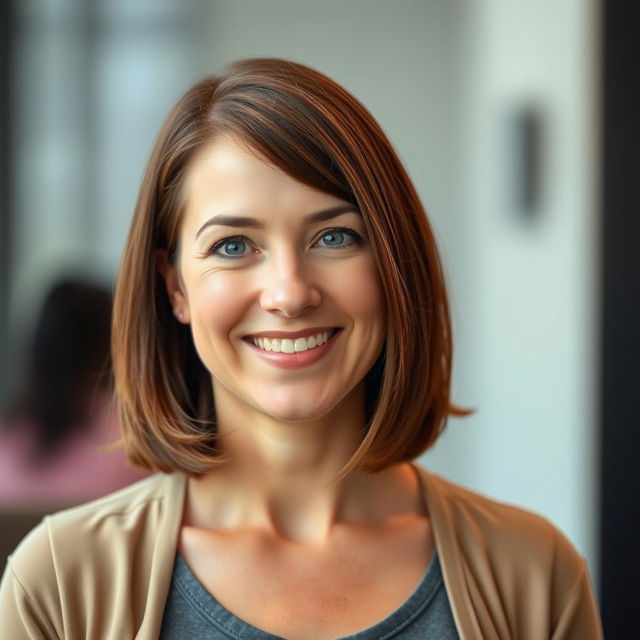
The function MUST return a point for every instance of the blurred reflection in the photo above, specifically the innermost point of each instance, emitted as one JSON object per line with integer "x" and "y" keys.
{"x": 56, "y": 429}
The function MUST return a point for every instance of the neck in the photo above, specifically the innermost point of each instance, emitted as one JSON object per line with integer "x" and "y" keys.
{"x": 281, "y": 478}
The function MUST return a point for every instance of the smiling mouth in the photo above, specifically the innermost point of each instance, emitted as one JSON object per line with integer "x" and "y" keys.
{"x": 293, "y": 345}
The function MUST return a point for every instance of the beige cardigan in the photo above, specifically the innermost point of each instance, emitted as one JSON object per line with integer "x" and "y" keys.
{"x": 102, "y": 571}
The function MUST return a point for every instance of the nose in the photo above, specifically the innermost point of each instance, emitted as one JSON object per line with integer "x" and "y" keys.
{"x": 288, "y": 288}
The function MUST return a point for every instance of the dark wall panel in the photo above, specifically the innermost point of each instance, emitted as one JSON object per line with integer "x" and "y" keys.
{"x": 620, "y": 418}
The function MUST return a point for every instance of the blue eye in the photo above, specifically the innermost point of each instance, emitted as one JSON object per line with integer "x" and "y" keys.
{"x": 334, "y": 238}
{"x": 337, "y": 238}
{"x": 230, "y": 248}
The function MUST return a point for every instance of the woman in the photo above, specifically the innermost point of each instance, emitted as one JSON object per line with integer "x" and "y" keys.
{"x": 282, "y": 352}
{"x": 57, "y": 428}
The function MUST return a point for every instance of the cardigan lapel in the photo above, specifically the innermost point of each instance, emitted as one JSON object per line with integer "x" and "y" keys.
{"x": 451, "y": 558}
{"x": 172, "y": 492}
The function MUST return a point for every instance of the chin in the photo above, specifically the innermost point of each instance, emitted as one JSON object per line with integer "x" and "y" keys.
{"x": 296, "y": 414}
{"x": 305, "y": 405}
{"x": 296, "y": 409}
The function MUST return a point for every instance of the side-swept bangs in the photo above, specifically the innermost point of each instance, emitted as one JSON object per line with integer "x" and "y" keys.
{"x": 311, "y": 128}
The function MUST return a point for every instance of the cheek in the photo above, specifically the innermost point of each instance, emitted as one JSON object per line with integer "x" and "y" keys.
{"x": 216, "y": 305}
{"x": 363, "y": 296}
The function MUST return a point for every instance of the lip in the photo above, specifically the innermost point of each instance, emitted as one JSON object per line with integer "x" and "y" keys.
{"x": 293, "y": 360}
{"x": 292, "y": 335}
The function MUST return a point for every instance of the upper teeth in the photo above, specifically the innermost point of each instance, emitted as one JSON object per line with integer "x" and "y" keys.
{"x": 285, "y": 345}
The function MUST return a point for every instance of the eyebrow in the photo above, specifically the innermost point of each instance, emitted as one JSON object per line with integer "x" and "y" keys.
{"x": 244, "y": 222}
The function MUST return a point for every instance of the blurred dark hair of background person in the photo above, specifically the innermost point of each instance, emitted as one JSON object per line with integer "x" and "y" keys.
{"x": 59, "y": 423}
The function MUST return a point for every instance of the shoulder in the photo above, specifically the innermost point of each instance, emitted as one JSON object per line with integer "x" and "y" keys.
{"x": 96, "y": 549}
{"x": 489, "y": 547}
{"x": 139, "y": 504}
{"x": 509, "y": 528}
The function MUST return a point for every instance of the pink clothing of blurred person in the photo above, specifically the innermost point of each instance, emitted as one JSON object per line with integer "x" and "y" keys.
{"x": 86, "y": 468}
{"x": 57, "y": 433}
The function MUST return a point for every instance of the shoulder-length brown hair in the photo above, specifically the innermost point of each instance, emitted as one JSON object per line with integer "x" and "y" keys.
{"x": 315, "y": 131}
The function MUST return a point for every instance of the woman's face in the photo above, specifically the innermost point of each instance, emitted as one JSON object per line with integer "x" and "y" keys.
{"x": 267, "y": 267}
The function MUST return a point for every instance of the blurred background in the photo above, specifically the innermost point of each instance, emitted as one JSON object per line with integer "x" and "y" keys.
{"x": 496, "y": 109}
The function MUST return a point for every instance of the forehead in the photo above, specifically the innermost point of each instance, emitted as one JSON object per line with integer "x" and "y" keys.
{"x": 225, "y": 158}
{"x": 227, "y": 176}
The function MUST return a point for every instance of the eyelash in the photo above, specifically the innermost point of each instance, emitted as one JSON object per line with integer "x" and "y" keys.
{"x": 356, "y": 241}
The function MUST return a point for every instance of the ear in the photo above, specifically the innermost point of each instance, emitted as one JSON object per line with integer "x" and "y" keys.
{"x": 175, "y": 288}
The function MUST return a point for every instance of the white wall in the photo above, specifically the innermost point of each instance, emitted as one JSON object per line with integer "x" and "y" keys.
{"x": 526, "y": 305}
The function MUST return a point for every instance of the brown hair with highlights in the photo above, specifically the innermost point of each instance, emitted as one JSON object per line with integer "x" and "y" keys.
{"x": 315, "y": 131}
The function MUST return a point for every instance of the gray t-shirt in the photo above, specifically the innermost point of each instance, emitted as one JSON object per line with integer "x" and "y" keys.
{"x": 191, "y": 612}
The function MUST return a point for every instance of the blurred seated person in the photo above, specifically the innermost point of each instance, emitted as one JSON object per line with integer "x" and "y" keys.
{"x": 57, "y": 431}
